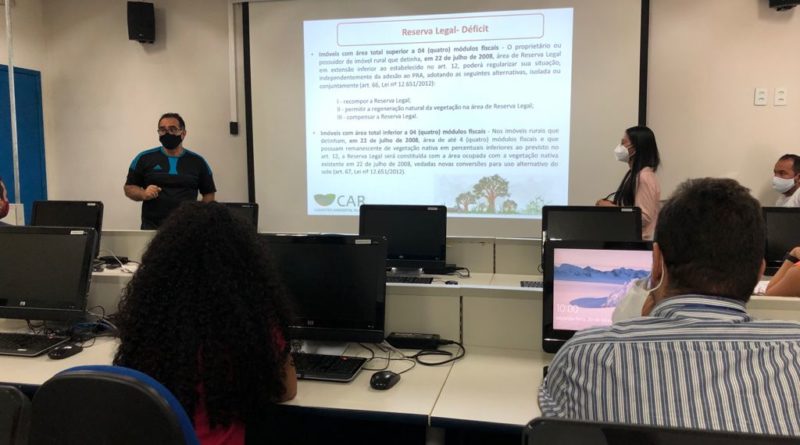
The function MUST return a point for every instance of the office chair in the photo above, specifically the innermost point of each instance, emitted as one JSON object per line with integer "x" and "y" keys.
{"x": 15, "y": 416}
{"x": 573, "y": 432}
{"x": 107, "y": 404}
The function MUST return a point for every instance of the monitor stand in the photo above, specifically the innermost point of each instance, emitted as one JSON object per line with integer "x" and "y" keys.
{"x": 323, "y": 347}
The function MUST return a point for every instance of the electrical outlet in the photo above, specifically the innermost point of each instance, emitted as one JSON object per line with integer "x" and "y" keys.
{"x": 781, "y": 97}
{"x": 761, "y": 97}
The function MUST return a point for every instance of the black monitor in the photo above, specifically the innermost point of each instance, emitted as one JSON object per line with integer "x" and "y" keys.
{"x": 590, "y": 223}
{"x": 45, "y": 272}
{"x": 70, "y": 214}
{"x": 783, "y": 233}
{"x": 246, "y": 210}
{"x": 336, "y": 284}
{"x": 583, "y": 283}
{"x": 416, "y": 234}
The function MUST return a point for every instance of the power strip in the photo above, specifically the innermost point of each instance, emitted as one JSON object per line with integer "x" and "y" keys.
{"x": 413, "y": 340}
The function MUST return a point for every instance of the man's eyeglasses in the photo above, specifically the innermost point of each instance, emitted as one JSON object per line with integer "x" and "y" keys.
{"x": 171, "y": 130}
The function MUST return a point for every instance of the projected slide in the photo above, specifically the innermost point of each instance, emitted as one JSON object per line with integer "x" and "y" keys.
{"x": 588, "y": 284}
{"x": 470, "y": 111}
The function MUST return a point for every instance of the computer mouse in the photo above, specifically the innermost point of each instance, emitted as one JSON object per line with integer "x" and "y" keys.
{"x": 64, "y": 351}
{"x": 384, "y": 379}
{"x": 451, "y": 282}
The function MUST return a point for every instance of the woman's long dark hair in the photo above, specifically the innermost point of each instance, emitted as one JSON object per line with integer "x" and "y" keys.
{"x": 646, "y": 155}
{"x": 205, "y": 309}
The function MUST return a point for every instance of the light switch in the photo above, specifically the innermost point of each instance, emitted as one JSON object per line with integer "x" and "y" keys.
{"x": 781, "y": 98}
{"x": 760, "y": 97}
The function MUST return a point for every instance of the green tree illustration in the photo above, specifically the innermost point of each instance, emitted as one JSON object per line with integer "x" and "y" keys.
{"x": 464, "y": 200}
{"x": 535, "y": 207}
{"x": 509, "y": 206}
{"x": 491, "y": 188}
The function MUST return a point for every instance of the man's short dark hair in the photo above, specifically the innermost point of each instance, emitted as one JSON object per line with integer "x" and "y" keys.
{"x": 795, "y": 162}
{"x": 173, "y": 116}
{"x": 711, "y": 234}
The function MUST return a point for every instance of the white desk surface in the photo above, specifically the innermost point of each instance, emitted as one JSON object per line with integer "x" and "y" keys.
{"x": 512, "y": 282}
{"x": 475, "y": 281}
{"x": 415, "y": 394}
{"x": 37, "y": 370}
{"x": 493, "y": 385}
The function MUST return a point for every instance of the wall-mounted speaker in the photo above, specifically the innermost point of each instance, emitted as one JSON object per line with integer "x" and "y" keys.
{"x": 783, "y": 5}
{"x": 141, "y": 22}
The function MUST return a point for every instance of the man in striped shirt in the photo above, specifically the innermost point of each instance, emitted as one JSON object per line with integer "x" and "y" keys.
{"x": 698, "y": 360}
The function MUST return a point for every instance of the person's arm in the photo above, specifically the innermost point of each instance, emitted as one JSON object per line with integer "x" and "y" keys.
{"x": 289, "y": 380}
{"x": 206, "y": 185}
{"x": 605, "y": 203}
{"x": 137, "y": 193}
{"x": 648, "y": 196}
{"x": 787, "y": 281}
{"x": 4, "y": 205}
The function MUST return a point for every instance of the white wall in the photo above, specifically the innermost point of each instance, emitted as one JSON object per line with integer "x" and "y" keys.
{"x": 104, "y": 94}
{"x": 27, "y": 26}
{"x": 706, "y": 58}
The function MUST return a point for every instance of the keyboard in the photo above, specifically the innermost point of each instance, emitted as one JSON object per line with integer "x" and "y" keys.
{"x": 334, "y": 368}
{"x": 27, "y": 345}
{"x": 525, "y": 283}
{"x": 413, "y": 280}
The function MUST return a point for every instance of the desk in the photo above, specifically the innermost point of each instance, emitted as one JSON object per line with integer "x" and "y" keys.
{"x": 412, "y": 399}
{"x": 491, "y": 385}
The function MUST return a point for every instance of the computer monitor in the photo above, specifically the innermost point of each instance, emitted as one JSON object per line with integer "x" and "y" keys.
{"x": 583, "y": 283}
{"x": 590, "y": 223}
{"x": 246, "y": 210}
{"x": 416, "y": 234}
{"x": 335, "y": 283}
{"x": 45, "y": 272}
{"x": 783, "y": 233}
{"x": 70, "y": 214}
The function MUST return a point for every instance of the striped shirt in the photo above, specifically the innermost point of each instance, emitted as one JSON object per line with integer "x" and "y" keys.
{"x": 696, "y": 362}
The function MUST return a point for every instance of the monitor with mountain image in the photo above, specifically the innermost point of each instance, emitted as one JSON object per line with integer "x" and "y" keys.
{"x": 583, "y": 283}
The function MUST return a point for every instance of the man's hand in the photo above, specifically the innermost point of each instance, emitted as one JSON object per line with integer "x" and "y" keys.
{"x": 151, "y": 192}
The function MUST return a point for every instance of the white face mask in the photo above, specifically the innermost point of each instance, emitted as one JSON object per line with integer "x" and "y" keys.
{"x": 621, "y": 153}
{"x": 782, "y": 185}
{"x": 630, "y": 306}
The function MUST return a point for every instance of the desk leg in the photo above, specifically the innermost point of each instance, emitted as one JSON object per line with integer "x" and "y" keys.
{"x": 434, "y": 436}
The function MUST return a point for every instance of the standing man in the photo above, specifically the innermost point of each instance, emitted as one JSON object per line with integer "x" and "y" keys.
{"x": 787, "y": 181}
{"x": 163, "y": 177}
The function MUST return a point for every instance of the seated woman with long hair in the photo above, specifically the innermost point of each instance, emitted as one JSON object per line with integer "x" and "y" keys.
{"x": 205, "y": 316}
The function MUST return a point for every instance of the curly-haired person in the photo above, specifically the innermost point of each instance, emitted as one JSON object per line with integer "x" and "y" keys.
{"x": 205, "y": 316}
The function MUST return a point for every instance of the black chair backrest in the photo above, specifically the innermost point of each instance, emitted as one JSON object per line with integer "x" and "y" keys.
{"x": 90, "y": 407}
{"x": 572, "y": 432}
{"x": 15, "y": 416}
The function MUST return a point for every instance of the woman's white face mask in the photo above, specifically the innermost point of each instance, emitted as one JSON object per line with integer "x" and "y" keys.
{"x": 621, "y": 153}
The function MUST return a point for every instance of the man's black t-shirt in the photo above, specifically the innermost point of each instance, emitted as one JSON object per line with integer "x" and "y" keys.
{"x": 180, "y": 178}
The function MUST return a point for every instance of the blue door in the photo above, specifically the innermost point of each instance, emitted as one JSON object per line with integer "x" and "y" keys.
{"x": 30, "y": 136}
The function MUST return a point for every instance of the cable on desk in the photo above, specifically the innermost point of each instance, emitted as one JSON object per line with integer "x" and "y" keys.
{"x": 116, "y": 258}
{"x": 390, "y": 349}
{"x": 462, "y": 352}
{"x": 388, "y": 358}
{"x": 461, "y": 275}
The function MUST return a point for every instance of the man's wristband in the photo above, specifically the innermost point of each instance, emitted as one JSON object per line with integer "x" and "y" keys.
{"x": 790, "y": 258}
